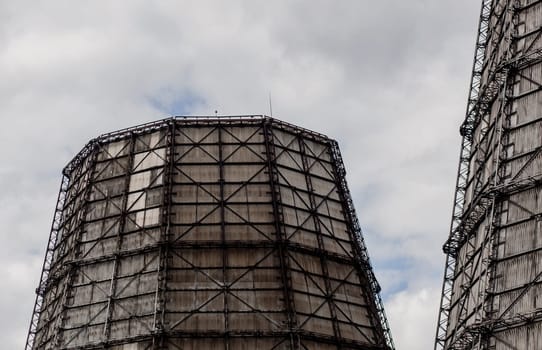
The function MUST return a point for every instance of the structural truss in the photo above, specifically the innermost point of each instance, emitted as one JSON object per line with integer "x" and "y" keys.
{"x": 207, "y": 233}
{"x": 493, "y": 274}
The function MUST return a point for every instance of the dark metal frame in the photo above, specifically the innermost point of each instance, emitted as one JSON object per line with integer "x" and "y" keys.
{"x": 485, "y": 138}
{"x": 166, "y": 248}
{"x": 281, "y": 235}
{"x": 53, "y": 237}
{"x": 361, "y": 248}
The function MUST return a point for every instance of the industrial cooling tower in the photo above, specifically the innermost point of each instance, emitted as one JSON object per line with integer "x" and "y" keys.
{"x": 207, "y": 233}
{"x": 492, "y": 289}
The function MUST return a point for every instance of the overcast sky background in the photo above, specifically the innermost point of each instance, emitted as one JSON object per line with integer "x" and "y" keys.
{"x": 388, "y": 79}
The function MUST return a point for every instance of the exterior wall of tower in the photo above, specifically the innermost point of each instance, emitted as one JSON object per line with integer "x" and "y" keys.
{"x": 498, "y": 273}
{"x": 208, "y": 235}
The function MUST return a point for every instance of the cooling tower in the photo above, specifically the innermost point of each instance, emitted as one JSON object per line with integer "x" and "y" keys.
{"x": 491, "y": 295}
{"x": 207, "y": 233}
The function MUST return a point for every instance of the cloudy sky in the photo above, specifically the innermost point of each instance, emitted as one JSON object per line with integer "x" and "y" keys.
{"x": 388, "y": 79}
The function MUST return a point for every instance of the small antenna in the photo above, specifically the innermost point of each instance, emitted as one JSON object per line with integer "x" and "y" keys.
{"x": 270, "y": 105}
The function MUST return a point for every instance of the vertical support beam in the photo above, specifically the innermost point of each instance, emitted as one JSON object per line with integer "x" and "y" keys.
{"x": 500, "y": 161}
{"x": 55, "y": 233}
{"x": 489, "y": 245}
{"x": 159, "y": 339}
{"x": 321, "y": 246}
{"x": 118, "y": 248}
{"x": 222, "y": 205}
{"x": 281, "y": 240}
{"x": 74, "y": 253}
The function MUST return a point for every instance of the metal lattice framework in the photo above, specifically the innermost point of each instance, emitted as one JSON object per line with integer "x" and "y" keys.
{"x": 199, "y": 232}
{"x": 489, "y": 288}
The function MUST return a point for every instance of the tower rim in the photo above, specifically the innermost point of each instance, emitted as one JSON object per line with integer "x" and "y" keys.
{"x": 192, "y": 120}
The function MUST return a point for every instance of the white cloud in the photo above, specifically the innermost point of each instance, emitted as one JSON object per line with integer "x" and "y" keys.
{"x": 388, "y": 79}
{"x": 413, "y": 318}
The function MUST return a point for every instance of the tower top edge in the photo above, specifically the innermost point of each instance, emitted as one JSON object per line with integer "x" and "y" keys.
{"x": 188, "y": 121}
